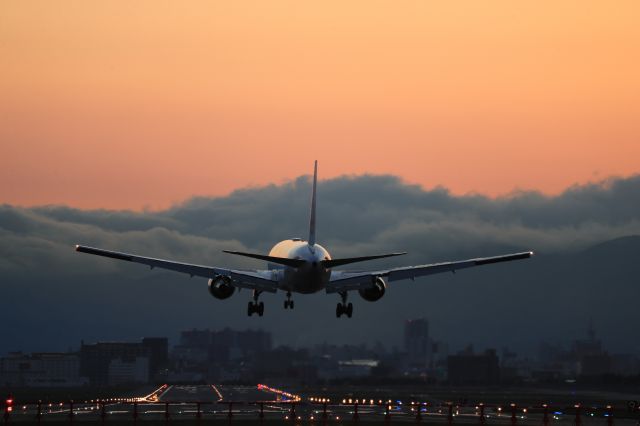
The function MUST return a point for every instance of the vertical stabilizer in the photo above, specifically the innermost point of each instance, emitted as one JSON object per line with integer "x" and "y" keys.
{"x": 312, "y": 216}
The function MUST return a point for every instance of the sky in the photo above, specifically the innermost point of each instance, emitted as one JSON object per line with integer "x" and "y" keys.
{"x": 141, "y": 105}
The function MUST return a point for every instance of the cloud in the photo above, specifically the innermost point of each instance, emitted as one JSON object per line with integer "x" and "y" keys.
{"x": 356, "y": 215}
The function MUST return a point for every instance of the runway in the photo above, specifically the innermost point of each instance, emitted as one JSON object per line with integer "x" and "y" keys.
{"x": 266, "y": 403}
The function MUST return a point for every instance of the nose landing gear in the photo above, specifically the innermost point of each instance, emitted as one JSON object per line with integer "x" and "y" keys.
{"x": 288, "y": 304}
{"x": 254, "y": 306}
{"x": 344, "y": 308}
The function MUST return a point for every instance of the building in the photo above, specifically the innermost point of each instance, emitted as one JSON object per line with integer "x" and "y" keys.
{"x": 45, "y": 369}
{"x": 158, "y": 351}
{"x": 96, "y": 360}
{"x": 417, "y": 344}
{"x": 128, "y": 371}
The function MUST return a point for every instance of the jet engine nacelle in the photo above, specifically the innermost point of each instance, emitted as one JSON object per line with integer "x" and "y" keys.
{"x": 221, "y": 287}
{"x": 375, "y": 292}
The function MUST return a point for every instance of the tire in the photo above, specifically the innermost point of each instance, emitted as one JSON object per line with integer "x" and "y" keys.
{"x": 291, "y": 305}
{"x": 261, "y": 309}
{"x": 338, "y": 310}
{"x": 250, "y": 309}
{"x": 286, "y": 304}
{"x": 349, "y": 310}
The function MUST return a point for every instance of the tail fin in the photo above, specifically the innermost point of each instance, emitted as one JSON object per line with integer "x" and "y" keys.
{"x": 312, "y": 217}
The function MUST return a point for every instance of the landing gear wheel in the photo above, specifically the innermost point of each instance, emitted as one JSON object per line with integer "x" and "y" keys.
{"x": 250, "y": 309}
{"x": 288, "y": 304}
{"x": 343, "y": 307}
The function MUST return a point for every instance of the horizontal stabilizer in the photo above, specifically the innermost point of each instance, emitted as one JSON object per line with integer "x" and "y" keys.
{"x": 294, "y": 263}
{"x": 339, "y": 262}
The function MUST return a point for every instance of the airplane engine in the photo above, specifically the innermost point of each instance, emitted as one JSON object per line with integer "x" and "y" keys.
{"x": 221, "y": 287}
{"x": 375, "y": 292}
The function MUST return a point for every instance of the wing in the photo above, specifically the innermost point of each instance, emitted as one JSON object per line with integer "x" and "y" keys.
{"x": 348, "y": 281}
{"x": 259, "y": 280}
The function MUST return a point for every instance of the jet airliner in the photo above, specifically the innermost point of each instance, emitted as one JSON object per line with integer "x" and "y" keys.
{"x": 299, "y": 266}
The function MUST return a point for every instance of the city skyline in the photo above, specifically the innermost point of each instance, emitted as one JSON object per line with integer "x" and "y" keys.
{"x": 223, "y": 355}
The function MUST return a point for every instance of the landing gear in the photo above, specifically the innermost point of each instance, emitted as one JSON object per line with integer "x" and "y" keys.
{"x": 288, "y": 304}
{"x": 344, "y": 308}
{"x": 255, "y": 306}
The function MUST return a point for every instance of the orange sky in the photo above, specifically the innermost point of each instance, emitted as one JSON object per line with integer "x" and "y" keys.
{"x": 124, "y": 104}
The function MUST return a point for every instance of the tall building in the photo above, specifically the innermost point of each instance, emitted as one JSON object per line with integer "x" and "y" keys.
{"x": 591, "y": 359}
{"x": 416, "y": 342}
{"x": 158, "y": 351}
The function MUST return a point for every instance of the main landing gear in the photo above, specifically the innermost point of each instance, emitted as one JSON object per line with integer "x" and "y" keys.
{"x": 344, "y": 308}
{"x": 254, "y": 306}
{"x": 288, "y": 304}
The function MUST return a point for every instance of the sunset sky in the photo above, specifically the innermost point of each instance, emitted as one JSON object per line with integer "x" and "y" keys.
{"x": 131, "y": 105}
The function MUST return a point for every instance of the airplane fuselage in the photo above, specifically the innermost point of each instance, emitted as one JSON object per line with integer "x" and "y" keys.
{"x": 311, "y": 277}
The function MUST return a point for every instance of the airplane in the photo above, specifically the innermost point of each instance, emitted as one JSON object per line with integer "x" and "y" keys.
{"x": 305, "y": 267}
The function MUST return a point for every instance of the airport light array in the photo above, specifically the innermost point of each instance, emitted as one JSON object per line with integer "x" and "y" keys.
{"x": 153, "y": 396}
{"x": 516, "y": 411}
{"x": 281, "y": 393}
{"x": 368, "y": 401}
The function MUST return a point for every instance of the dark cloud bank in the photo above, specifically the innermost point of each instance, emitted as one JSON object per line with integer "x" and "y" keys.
{"x": 587, "y": 265}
